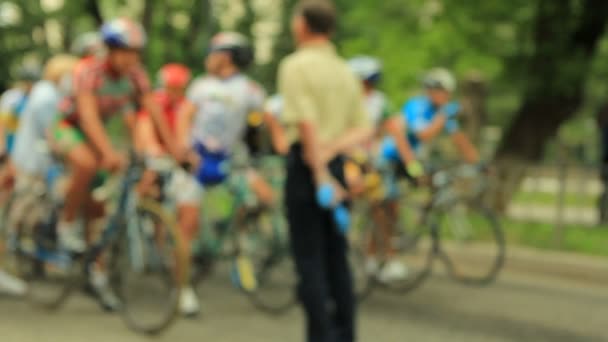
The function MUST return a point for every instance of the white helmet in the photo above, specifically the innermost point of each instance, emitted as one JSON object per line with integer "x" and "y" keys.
{"x": 440, "y": 78}
{"x": 367, "y": 68}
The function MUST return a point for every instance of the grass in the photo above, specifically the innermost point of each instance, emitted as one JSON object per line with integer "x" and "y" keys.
{"x": 543, "y": 198}
{"x": 591, "y": 241}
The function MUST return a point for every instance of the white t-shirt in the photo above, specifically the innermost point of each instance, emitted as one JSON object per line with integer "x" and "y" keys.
{"x": 377, "y": 107}
{"x": 274, "y": 106}
{"x": 222, "y": 109}
{"x": 40, "y": 112}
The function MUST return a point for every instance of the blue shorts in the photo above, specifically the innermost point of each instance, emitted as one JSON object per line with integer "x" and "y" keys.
{"x": 214, "y": 168}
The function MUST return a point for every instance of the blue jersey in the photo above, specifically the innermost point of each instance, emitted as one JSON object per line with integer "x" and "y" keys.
{"x": 12, "y": 104}
{"x": 418, "y": 114}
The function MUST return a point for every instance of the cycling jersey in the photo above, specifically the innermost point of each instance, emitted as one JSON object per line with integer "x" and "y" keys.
{"x": 167, "y": 106}
{"x": 115, "y": 94}
{"x": 222, "y": 109}
{"x": 220, "y": 121}
{"x": 274, "y": 106}
{"x": 418, "y": 114}
{"x": 12, "y": 103}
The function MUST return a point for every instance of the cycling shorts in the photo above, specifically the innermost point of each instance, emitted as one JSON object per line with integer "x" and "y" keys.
{"x": 214, "y": 167}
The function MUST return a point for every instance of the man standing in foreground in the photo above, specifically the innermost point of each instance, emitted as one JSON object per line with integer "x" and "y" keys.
{"x": 324, "y": 116}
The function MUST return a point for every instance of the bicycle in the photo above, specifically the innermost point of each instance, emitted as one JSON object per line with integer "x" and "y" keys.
{"x": 140, "y": 244}
{"x": 452, "y": 224}
{"x": 254, "y": 239}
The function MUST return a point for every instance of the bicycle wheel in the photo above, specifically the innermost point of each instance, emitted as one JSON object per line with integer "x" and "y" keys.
{"x": 50, "y": 274}
{"x": 473, "y": 243}
{"x": 416, "y": 242}
{"x": 266, "y": 244}
{"x": 149, "y": 269}
{"x": 361, "y": 232}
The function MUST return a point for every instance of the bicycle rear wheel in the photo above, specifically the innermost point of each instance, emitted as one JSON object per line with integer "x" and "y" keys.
{"x": 267, "y": 246}
{"x": 50, "y": 274}
{"x": 363, "y": 229}
{"x": 473, "y": 243}
{"x": 149, "y": 269}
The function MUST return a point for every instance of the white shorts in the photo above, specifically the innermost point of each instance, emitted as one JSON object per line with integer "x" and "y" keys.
{"x": 184, "y": 189}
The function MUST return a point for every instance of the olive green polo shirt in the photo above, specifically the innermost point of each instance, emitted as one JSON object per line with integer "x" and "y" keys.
{"x": 318, "y": 86}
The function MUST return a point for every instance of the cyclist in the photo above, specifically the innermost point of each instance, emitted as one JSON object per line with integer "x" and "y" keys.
{"x": 30, "y": 155}
{"x": 12, "y": 103}
{"x": 369, "y": 71}
{"x": 34, "y": 119}
{"x": 213, "y": 119}
{"x": 423, "y": 119}
{"x": 109, "y": 86}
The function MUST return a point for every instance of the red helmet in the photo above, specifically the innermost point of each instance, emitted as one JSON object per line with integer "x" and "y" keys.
{"x": 174, "y": 75}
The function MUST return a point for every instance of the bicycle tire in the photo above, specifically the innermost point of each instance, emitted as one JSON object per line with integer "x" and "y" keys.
{"x": 418, "y": 248}
{"x": 132, "y": 267}
{"x": 270, "y": 256}
{"x": 464, "y": 265}
{"x": 364, "y": 283}
{"x": 38, "y": 261}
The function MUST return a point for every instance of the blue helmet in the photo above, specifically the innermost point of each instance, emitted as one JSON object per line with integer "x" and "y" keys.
{"x": 123, "y": 33}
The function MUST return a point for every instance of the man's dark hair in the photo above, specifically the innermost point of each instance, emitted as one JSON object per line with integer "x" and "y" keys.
{"x": 320, "y": 15}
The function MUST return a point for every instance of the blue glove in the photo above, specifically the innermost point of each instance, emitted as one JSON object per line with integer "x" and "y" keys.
{"x": 325, "y": 196}
{"x": 342, "y": 219}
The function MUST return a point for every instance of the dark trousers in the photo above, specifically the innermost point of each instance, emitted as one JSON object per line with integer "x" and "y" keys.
{"x": 325, "y": 286}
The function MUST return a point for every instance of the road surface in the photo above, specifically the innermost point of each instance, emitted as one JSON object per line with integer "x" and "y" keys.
{"x": 517, "y": 308}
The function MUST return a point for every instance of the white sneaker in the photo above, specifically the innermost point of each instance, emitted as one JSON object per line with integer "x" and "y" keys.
{"x": 372, "y": 266}
{"x": 392, "y": 271}
{"x": 70, "y": 237}
{"x": 188, "y": 303}
{"x": 100, "y": 285}
{"x": 12, "y": 285}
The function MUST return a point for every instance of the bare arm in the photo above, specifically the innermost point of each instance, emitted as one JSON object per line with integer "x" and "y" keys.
{"x": 434, "y": 129}
{"x": 395, "y": 127}
{"x": 161, "y": 124}
{"x": 465, "y": 147}
{"x": 92, "y": 125}
{"x": 352, "y": 138}
{"x": 184, "y": 124}
{"x": 277, "y": 134}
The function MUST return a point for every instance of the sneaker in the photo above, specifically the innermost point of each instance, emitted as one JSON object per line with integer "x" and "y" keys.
{"x": 372, "y": 266}
{"x": 102, "y": 290}
{"x": 12, "y": 285}
{"x": 188, "y": 303}
{"x": 70, "y": 237}
{"x": 393, "y": 271}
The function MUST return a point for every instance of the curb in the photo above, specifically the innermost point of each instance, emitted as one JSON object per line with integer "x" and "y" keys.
{"x": 537, "y": 262}
{"x": 567, "y": 266}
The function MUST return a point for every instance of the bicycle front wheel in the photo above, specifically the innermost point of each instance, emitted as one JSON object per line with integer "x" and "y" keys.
{"x": 149, "y": 269}
{"x": 267, "y": 246}
{"x": 473, "y": 243}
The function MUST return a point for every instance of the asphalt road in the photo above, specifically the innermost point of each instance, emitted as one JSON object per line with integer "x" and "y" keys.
{"x": 517, "y": 308}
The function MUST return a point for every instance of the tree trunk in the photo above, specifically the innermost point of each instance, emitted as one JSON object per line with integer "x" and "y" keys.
{"x": 92, "y": 8}
{"x": 557, "y": 73}
{"x": 474, "y": 105}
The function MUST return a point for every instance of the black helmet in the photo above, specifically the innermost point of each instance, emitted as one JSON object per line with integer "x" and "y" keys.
{"x": 238, "y": 45}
